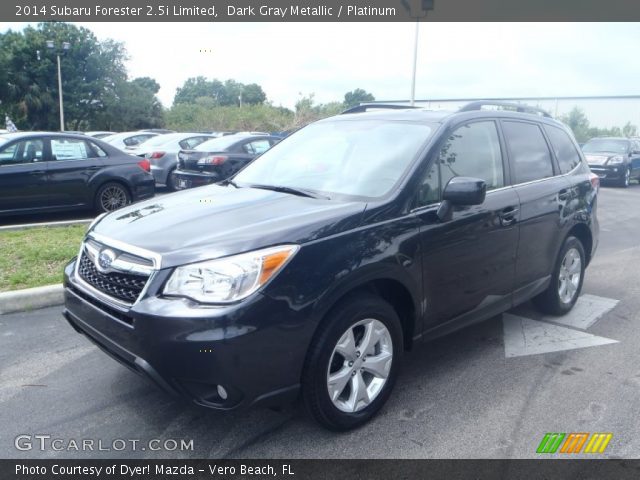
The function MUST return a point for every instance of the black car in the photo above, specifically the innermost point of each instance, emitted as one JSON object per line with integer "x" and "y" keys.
{"x": 219, "y": 158}
{"x": 614, "y": 159}
{"x": 42, "y": 171}
{"x": 322, "y": 261}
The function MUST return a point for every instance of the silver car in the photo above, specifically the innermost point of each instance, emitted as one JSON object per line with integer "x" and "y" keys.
{"x": 125, "y": 141}
{"x": 162, "y": 152}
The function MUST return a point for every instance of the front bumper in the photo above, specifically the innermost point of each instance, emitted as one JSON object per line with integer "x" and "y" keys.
{"x": 609, "y": 172}
{"x": 254, "y": 349}
{"x": 185, "y": 179}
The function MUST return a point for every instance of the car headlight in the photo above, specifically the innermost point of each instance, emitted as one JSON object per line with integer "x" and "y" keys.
{"x": 615, "y": 160}
{"x": 228, "y": 279}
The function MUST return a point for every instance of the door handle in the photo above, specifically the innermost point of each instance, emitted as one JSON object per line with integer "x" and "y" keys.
{"x": 564, "y": 194}
{"x": 37, "y": 172}
{"x": 508, "y": 216}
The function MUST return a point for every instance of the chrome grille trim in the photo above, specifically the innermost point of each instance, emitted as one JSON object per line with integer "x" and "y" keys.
{"x": 135, "y": 268}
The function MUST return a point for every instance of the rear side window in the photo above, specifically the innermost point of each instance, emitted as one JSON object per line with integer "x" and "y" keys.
{"x": 530, "y": 156}
{"x": 69, "y": 149}
{"x": 566, "y": 153}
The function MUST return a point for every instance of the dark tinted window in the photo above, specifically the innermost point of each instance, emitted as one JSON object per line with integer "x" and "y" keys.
{"x": 26, "y": 151}
{"x": 566, "y": 153}
{"x": 99, "y": 152}
{"x": 530, "y": 156}
{"x": 472, "y": 150}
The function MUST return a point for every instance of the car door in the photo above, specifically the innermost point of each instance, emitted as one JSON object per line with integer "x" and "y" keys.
{"x": 544, "y": 195}
{"x": 23, "y": 175}
{"x": 73, "y": 164}
{"x": 468, "y": 261}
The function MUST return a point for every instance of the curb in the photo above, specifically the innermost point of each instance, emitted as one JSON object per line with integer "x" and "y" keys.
{"x": 31, "y": 299}
{"x": 63, "y": 223}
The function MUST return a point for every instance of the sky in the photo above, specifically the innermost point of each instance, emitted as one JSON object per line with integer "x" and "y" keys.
{"x": 455, "y": 60}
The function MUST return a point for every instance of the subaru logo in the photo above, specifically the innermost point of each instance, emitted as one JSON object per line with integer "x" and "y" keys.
{"x": 105, "y": 259}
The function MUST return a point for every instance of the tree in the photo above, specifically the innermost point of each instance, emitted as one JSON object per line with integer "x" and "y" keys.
{"x": 224, "y": 94}
{"x": 356, "y": 97}
{"x": 629, "y": 130}
{"x": 578, "y": 122}
{"x": 133, "y": 107}
{"x": 91, "y": 70}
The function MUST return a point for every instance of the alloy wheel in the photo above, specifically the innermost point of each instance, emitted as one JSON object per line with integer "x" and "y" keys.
{"x": 113, "y": 197}
{"x": 569, "y": 275}
{"x": 360, "y": 365}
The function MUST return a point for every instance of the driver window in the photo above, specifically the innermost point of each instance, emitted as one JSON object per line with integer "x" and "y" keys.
{"x": 26, "y": 151}
{"x": 472, "y": 150}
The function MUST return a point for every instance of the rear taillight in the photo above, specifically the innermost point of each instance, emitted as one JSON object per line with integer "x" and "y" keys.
{"x": 156, "y": 155}
{"x": 595, "y": 181}
{"x": 212, "y": 160}
{"x": 145, "y": 165}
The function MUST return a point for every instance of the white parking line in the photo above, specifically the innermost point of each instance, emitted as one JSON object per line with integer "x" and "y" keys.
{"x": 523, "y": 336}
{"x": 587, "y": 311}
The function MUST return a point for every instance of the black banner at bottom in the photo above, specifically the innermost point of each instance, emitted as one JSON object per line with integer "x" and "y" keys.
{"x": 319, "y": 469}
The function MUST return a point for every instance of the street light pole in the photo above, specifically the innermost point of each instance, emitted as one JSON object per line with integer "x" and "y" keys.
{"x": 65, "y": 47}
{"x": 415, "y": 64}
{"x": 60, "y": 94}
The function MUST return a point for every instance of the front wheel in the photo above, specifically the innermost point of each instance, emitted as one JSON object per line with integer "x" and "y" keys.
{"x": 111, "y": 196}
{"x": 353, "y": 362}
{"x": 171, "y": 180}
{"x": 566, "y": 280}
{"x": 626, "y": 178}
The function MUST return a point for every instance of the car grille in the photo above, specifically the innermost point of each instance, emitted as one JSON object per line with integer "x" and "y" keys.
{"x": 125, "y": 287}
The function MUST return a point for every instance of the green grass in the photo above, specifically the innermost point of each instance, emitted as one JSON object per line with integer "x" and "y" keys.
{"x": 36, "y": 256}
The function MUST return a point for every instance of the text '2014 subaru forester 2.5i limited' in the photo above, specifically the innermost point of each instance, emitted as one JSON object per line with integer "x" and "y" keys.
{"x": 319, "y": 263}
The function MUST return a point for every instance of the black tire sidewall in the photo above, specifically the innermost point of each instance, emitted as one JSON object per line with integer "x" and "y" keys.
{"x": 101, "y": 190}
{"x": 171, "y": 180}
{"x": 314, "y": 384}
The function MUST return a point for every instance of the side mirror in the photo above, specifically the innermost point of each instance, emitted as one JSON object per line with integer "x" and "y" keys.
{"x": 461, "y": 191}
{"x": 465, "y": 191}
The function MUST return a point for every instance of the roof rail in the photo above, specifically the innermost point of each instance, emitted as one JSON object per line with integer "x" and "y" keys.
{"x": 477, "y": 105}
{"x": 373, "y": 106}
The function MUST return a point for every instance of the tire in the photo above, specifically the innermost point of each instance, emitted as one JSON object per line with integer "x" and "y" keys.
{"x": 171, "y": 180}
{"x": 553, "y": 301}
{"x": 626, "y": 179}
{"x": 112, "y": 196}
{"x": 335, "y": 355}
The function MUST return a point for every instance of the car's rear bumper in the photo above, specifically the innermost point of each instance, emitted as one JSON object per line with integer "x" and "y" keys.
{"x": 188, "y": 350}
{"x": 187, "y": 179}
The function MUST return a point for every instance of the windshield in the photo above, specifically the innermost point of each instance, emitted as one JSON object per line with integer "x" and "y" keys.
{"x": 3, "y": 140}
{"x": 217, "y": 144}
{"x": 361, "y": 158}
{"x": 606, "y": 145}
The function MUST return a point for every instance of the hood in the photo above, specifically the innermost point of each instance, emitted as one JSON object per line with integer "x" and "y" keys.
{"x": 600, "y": 158}
{"x": 214, "y": 221}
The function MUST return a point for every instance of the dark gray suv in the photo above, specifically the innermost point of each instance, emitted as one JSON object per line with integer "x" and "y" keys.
{"x": 316, "y": 266}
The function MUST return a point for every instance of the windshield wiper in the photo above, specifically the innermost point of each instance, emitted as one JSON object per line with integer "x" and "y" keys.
{"x": 229, "y": 182}
{"x": 292, "y": 190}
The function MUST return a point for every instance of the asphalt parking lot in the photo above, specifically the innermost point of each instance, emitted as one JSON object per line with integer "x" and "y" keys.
{"x": 463, "y": 396}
